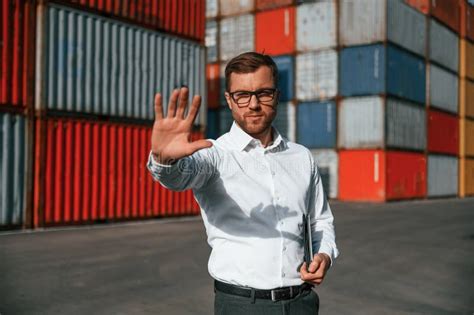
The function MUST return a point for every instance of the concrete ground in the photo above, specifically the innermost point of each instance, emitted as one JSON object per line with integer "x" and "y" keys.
{"x": 397, "y": 258}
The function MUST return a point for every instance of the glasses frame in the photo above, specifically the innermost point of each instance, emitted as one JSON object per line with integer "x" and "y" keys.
{"x": 276, "y": 92}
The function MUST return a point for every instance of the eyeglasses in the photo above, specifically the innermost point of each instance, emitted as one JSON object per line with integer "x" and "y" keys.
{"x": 264, "y": 96}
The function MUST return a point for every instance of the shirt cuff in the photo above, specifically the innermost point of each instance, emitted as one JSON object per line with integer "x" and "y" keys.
{"x": 158, "y": 168}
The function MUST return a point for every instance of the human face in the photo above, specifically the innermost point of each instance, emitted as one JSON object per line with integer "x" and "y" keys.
{"x": 256, "y": 118}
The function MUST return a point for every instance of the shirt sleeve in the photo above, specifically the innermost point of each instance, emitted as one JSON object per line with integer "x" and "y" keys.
{"x": 322, "y": 220}
{"x": 191, "y": 172}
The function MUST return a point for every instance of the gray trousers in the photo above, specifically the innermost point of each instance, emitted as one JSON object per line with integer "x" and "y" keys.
{"x": 305, "y": 303}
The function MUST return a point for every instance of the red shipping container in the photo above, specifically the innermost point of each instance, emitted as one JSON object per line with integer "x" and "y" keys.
{"x": 275, "y": 31}
{"x": 17, "y": 18}
{"x": 421, "y": 5}
{"x": 376, "y": 175}
{"x": 446, "y": 11}
{"x": 443, "y": 133}
{"x": 86, "y": 172}
{"x": 213, "y": 85}
{"x": 467, "y": 20}
{"x": 185, "y": 18}
{"x": 272, "y": 4}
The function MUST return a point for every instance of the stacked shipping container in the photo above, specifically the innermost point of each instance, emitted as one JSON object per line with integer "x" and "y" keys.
{"x": 80, "y": 106}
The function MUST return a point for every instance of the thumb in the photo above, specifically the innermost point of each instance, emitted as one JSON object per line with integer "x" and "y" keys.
{"x": 198, "y": 145}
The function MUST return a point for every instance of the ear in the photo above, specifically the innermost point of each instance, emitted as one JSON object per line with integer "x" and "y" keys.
{"x": 228, "y": 100}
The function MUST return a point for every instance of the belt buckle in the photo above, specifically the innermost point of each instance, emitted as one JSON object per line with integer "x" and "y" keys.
{"x": 275, "y": 291}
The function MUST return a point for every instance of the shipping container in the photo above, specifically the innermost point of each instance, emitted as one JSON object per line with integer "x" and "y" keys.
{"x": 225, "y": 120}
{"x": 234, "y": 7}
{"x": 466, "y": 59}
{"x": 211, "y": 41}
{"x": 421, "y": 5}
{"x": 469, "y": 22}
{"x": 316, "y": 124}
{"x": 371, "y": 21}
{"x": 212, "y": 9}
{"x": 466, "y": 135}
{"x": 374, "y": 175}
{"x": 466, "y": 177}
{"x": 447, "y": 12}
{"x": 185, "y": 18}
{"x": 316, "y": 75}
{"x": 212, "y": 128}
{"x": 285, "y": 120}
{"x": 286, "y": 77}
{"x": 377, "y": 122}
{"x": 442, "y": 176}
{"x": 262, "y": 5}
{"x": 466, "y": 98}
{"x": 316, "y": 26}
{"x": 17, "y": 19}
{"x": 275, "y": 31}
{"x": 236, "y": 35}
{"x": 443, "y": 133}
{"x": 327, "y": 162}
{"x": 443, "y": 89}
{"x": 13, "y": 159}
{"x": 379, "y": 69}
{"x": 89, "y": 172}
{"x": 443, "y": 46}
{"x": 95, "y": 65}
{"x": 213, "y": 85}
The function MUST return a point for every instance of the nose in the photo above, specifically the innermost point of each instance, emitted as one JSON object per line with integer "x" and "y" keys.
{"x": 254, "y": 102}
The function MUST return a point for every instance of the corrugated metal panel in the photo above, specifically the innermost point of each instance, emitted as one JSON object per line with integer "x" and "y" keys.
{"x": 12, "y": 169}
{"x": 286, "y": 77}
{"x": 225, "y": 120}
{"x": 212, "y": 8}
{"x": 361, "y": 122}
{"x": 317, "y": 124}
{"x": 100, "y": 66}
{"x": 211, "y": 41}
{"x": 87, "y": 172}
{"x": 443, "y": 46}
{"x": 446, "y": 11}
{"x": 361, "y": 22}
{"x": 237, "y": 35}
{"x": 213, "y": 85}
{"x": 466, "y": 98}
{"x": 466, "y": 143}
{"x": 406, "y": 175}
{"x": 406, "y": 27}
{"x": 285, "y": 121}
{"x": 272, "y": 4}
{"x": 316, "y": 75}
{"x": 421, "y": 5}
{"x": 405, "y": 125}
{"x": 466, "y": 59}
{"x": 316, "y": 26}
{"x": 16, "y": 20}
{"x": 231, "y": 7}
{"x": 443, "y": 89}
{"x": 466, "y": 177}
{"x": 327, "y": 161}
{"x": 470, "y": 21}
{"x": 443, "y": 133}
{"x": 212, "y": 130}
{"x": 442, "y": 176}
{"x": 275, "y": 31}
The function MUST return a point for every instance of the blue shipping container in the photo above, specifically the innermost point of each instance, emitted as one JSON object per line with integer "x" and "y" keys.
{"x": 212, "y": 129}
{"x": 317, "y": 124}
{"x": 376, "y": 69}
{"x": 225, "y": 120}
{"x": 286, "y": 81}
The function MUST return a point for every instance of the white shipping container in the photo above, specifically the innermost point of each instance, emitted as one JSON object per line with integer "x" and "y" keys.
{"x": 237, "y": 35}
{"x": 233, "y": 7}
{"x": 285, "y": 121}
{"x": 212, "y": 8}
{"x": 328, "y": 162}
{"x": 211, "y": 41}
{"x": 443, "y": 89}
{"x": 444, "y": 46}
{"x": 442, "y": 176}
{"x": 316, "y": 26}
{"x": 316, "y": 75}
{"x": 370, "y": 21}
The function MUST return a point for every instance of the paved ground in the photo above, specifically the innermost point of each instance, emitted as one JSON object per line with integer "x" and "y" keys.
{"x": 397, "y": 258}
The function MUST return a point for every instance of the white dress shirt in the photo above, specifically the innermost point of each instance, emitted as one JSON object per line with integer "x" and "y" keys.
{"x": 252, "y": 200}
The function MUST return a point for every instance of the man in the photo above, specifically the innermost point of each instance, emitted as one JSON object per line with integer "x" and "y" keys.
{"x": 253, "y": 187}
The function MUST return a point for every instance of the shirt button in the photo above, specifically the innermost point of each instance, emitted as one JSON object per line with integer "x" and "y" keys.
{"x": 282, "y": 274}
{"x": 284, "y": 248}
{"x": 273, "y": 173}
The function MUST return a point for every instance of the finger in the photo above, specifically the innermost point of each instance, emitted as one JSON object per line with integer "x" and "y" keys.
{"x": 198, "y": 145}
{"x": 158, "y": 106}
{"x": 172, "y": 103}
{"x": 303, "y": 271}
{"x": 183, "y": 102}
{"x": 314, "y": 264}
{"x": 193, "y": 111}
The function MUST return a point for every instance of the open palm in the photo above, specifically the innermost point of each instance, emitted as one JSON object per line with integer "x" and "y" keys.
{"x": 170, "y": 138}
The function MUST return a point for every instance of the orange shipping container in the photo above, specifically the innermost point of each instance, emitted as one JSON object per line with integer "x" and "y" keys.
{"x": 466, "y": 177}
{"x": 375, "y": 175}
{"x": 466, "y": 59}
{"x": 466, "y": 98}
{"x": 421, "y": 5}
{"x": 213, "y": 85}
{"x": 466, "y": 20}
{"x": 275, "y": 31}
{"x": 466, "y": 137}
{"x": 446, "y": 11}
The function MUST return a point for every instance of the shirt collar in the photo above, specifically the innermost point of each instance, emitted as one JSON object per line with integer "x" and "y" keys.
{"x": 242, "y": 140}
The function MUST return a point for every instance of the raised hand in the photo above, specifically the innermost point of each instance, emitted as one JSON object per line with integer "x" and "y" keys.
{"x": 170, "y": 138}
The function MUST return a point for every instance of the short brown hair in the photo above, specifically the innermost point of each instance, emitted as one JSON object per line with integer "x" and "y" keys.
{"x": 249, "y": 62}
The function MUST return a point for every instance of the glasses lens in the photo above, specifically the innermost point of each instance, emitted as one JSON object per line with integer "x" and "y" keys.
{"x": 265, "y": 95}
{"x": 241, "y": 97}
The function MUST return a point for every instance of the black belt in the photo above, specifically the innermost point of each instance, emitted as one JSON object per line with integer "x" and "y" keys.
{"x": 278, "y": 294}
